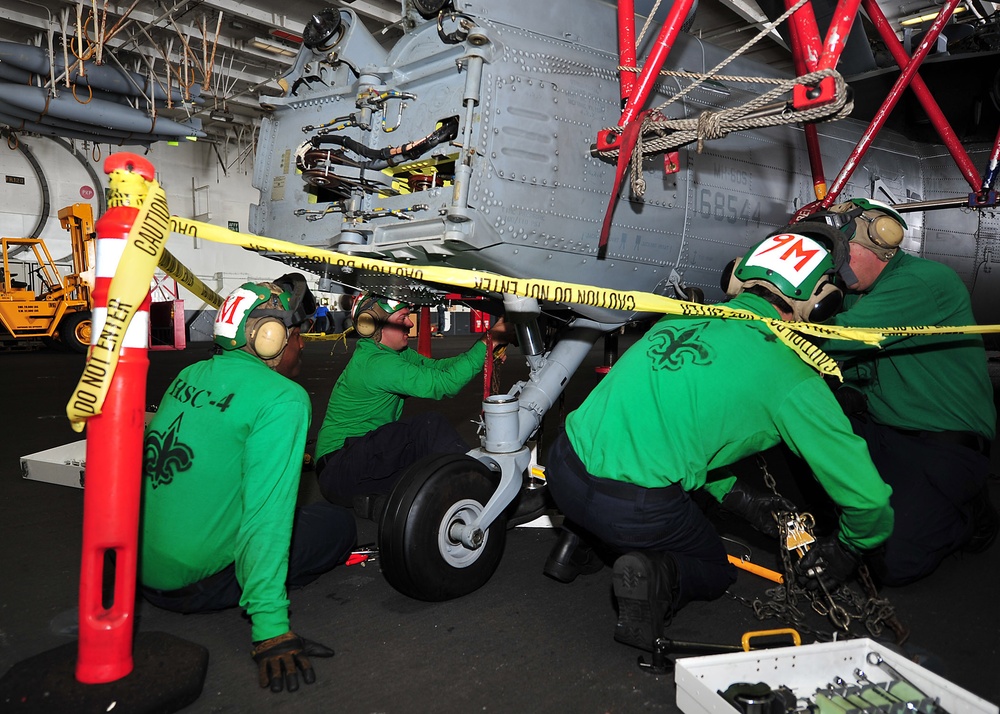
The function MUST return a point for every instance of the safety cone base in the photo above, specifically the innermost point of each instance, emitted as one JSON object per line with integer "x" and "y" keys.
{"x": 168, "y": 675}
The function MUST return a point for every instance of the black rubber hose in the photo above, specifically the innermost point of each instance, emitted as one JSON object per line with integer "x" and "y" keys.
{"x": 392, "y": 154}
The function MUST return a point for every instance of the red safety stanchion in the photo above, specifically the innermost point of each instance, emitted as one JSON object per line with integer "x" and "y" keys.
{"x": 114, "y": 450}
{"x": 424, "y": 331}
{"x": 111, "y": 667}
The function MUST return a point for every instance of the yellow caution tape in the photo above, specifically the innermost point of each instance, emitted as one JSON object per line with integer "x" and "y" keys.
{"x": 790, "y": 333}
{"x": 627, "y": 300}
{"x": 554, "y": 291}
{"x": 145, "y": 251}
{"x": 176, "y": 270}
{"x": 129, "y": 287}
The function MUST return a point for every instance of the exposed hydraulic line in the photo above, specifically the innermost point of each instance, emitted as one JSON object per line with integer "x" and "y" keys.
{"x": 803, "y": 22}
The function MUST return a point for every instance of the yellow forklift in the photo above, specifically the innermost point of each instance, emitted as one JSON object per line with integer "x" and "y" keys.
{"x": 61, "y": 307}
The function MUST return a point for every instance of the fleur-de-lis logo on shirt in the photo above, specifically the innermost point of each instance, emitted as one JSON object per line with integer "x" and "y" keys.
{"x": 673, "y": 347}
{"x": 165, "y": 456}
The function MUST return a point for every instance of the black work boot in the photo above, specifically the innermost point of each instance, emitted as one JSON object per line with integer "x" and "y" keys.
{"x": 645, "y": 586}
{"x": 985, "y": 523}
{"x": 369, "y": 505}
{"x": 570, "y": 557}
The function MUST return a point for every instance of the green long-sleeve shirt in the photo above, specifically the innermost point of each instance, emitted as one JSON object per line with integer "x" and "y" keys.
{"x": 371, "y": 389}
{"x": 923, "y": 382}
{"x": 697, "y": 394}
{"x": 222, "y": 462}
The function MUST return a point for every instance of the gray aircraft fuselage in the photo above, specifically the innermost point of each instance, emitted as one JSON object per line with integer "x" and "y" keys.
{"x": 518, "y": 190}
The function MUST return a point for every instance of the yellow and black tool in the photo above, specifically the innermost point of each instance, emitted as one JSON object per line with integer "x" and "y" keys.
{"x": 666, "y": 650}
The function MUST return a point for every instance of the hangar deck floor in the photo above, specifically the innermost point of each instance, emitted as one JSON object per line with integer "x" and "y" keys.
{"x": 521, "y": 643}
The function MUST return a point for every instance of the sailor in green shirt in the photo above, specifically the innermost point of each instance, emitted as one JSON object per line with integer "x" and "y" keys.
{"x": 363, "y": 445}
{"x": 924, "y": 403}
{"x": 697, "y": 394}
{"x": 223, "y": 456}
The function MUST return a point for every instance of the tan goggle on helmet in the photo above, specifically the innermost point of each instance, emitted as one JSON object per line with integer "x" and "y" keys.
{"x": 372, "y": 311}
{"x": 869, "y": 223}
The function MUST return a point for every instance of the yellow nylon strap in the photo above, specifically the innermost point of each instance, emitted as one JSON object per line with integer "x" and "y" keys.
{"x": 128, "y": 289}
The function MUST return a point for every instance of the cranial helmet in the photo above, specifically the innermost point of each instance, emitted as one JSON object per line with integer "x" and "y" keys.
{"x": 794, "y": 267}
{"x": 371, "y": 312}
{"x": 835, "y": 241}
{"x": 871, "y": 224}
{"x": 258, "y": 317}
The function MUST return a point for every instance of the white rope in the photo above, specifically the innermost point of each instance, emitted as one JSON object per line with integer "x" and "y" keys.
{"x": 645, "y": 26}
{"x": 659, "y": 133}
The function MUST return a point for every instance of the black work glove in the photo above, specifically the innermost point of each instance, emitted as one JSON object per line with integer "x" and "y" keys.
{"x": 829, "y": 562}
{"x": 756, "y": 507}
{"x": 281, "y": 658}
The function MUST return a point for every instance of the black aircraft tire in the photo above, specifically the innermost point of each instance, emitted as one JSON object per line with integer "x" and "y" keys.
{"x": 74, "y": 331}
{"x": 418, "y": 556}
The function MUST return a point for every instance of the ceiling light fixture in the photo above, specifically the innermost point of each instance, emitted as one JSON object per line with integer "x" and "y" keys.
{"x": 928, "y": 17}
{"x": 273, "y": 49}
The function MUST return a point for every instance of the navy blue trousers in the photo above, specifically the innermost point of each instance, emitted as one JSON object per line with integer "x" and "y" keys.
{"x": 373, "y": 463}
{"x": 627, "y": 517}
{"x": 933, "y": 484}
{"x": 322, "y": 538}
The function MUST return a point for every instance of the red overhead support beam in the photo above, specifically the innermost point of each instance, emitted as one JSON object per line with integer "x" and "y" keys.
{"x": 812, "y": 135}
{"x": 837, "y": 34}
{"x": 923, "y": 94}
{"x": 895, "y": 94}
{"x": 993, "y": 168}
{"x": 626, "y": 47}
{"x": 802, "y": 25}
{"x": 650, "y": 71}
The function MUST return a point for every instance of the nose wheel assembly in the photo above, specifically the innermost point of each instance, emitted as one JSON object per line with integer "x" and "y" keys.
{"x": 420, "y": 546}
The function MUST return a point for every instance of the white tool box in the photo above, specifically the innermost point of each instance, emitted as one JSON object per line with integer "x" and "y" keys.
{"x": 807, "y": 669}
{"x": 63, "y": 465}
